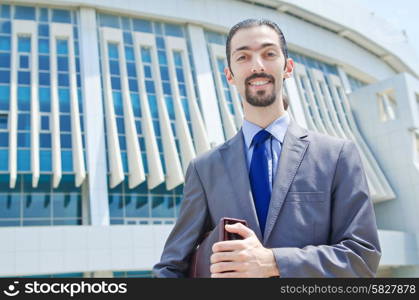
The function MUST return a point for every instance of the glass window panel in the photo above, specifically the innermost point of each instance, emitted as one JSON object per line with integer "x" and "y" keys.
{"x": 142, "y": 25}
{"x": 64, "y": 98}
{"x": 61, "y": 16}
{"x": 24, "y": 77}
{"x": 139, "y": 130}
{"x": 23, "y": 61}
{"x": 23, "y": 97}
{"x": 65, "y": 141}
{"x": 117, "y": 100}
{"x": 173, "y": 30}
{"x": 170, "y": 107}
{"x": 62, "y": 47}
{"x": 133, "y": 85}
{"x": 5, "y": 11}
{"x": 9, "y": 206}
{"x": 126, "y": 23}
{"x": 182, "y": 90}
{"x": 124, "y": 161}
{"x": 24, "y": 121}
{"x": 43, "y": 16}
{"x": 4, "y": 154}
{"x": 23, "y": 140}
{"x": 160, "y": 42}
{"x": 177, "y": 58}
{"x": 122, "y": 143}
{"x": 145, "y": 55}
{"x": 62, "y": 63}
{"x": 129, "y": 53}
{"x": 46, "y": 222}
{"x": 66, "y": 205}
{"x": 164, "y": 71}
{"x": 136, "y": 206}
{"x": 43, "y": 62}
{"x": 44, "y": 78}
{"x": 109, "y": 20}
{"x": 120, "y": 125}
{"x": 135, "y": 100}
{"x": 45, "y": 160}
{"x": 65, "y": 123}
{"x": 127, "y": 38}
{"x": 45, "y": 123}
{"x": 43, "y": 30}
{"x": 5, "y": 43}
{"x": 156, "y": 126}
{"x": 43, "y": 46}
{"x": 4, "y": 60}
{"x": 63, "y": 223}
{"x": 162, "y": 57}
{"x": 179, "y": 75}
{"x": 115, "y": 83}
{"x": 147, "y": 72}
{"x": 63, "y": 80}
{"x": 24, "y": 44}
{"x": 116, "y": 205}
{"x": 4, "y": 76}
{"x": 166, "y": 88}
{"x": 3, "y": 121}
{"x": 44, "y": 99}
{"x": 5, "y": 27}
{"x": 113, "y": 50}
{"x": 24, "y": 12}
{"x": 153, "y": 106}
{"x": 67, "y": 161}
{"x": 4, "y": 97}
{"x": 45, "y": 140}
{"x": 149, "y": 86}
{"x": 131, "y": 70}
{"x": 114, "y": 67}
{"x": 36, "y": 205}
{"x": 162, "y": 207}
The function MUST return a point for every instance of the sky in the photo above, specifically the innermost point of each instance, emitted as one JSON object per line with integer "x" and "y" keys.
{"x": 403, "y": 14}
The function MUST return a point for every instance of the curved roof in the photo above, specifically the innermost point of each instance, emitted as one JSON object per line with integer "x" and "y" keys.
{"x": 357, "y": 24}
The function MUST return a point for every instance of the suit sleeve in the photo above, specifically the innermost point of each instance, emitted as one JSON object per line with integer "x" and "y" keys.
{"x": 189, "y": 227}
{"x": 353, "y": 249}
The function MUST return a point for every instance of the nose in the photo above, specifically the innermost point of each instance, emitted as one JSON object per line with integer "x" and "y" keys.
{"x": 257, "y": 66}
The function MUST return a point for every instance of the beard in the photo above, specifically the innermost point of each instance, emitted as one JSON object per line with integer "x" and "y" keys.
{"x": 262, "y": 98}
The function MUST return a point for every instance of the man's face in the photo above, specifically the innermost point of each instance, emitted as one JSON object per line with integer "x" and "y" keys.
{"x": 258, "y": 65}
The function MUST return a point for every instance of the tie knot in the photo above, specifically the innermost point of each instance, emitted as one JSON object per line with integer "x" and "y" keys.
{"x": 261, "y": 137}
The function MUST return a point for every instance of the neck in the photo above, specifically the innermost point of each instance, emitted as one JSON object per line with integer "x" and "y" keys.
{"x": 263, "y": 116}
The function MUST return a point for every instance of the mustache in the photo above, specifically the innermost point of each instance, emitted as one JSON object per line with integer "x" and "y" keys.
{"x": 260, "y": 75}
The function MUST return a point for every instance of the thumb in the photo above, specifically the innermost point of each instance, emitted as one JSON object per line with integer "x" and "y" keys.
{"x": 240, "y": 229}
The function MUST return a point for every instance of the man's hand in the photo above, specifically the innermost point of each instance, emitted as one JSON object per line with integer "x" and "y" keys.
{"x": 242, "y": 258}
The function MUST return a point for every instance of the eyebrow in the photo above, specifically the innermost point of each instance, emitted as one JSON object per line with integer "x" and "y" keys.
{"x": 264, "y": 45}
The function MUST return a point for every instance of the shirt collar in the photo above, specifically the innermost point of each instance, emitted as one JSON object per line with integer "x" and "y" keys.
{"x": 277, "y": 128}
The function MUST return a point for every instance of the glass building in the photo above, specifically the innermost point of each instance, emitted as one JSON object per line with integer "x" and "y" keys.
{"x": 102, "y": 107}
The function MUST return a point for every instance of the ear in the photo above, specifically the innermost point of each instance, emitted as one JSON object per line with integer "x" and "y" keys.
{"x": 229, "y": 75}
{"x": 289, "y": 67}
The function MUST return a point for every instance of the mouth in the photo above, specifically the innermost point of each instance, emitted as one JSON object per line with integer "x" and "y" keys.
{"x": 259, "y": 83}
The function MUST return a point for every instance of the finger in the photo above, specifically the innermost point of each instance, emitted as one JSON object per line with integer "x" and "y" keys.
{"x": 230, "y": 275}
{"x": 226, "y": 256}
{"x": 228, "y": 246}
{"x": 240, "y": 229}
{"x": 226, "y": 267}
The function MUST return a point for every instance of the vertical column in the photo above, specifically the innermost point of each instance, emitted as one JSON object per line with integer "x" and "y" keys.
{"x": 295, "y": 101}
{"x": 205, "y": 82}
{"x": 174, "y": 174}
{"x": 217, "y": 52}
{"x": 93, "y": 118}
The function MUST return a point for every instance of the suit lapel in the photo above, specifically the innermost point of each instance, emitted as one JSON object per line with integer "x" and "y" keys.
{"x": 292, "y": 154}
{"x": 234, "y": 156}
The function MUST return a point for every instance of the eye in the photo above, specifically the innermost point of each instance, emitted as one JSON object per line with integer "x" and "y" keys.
{"x": 271, "y": 54}
{"x": 240, "y": 57}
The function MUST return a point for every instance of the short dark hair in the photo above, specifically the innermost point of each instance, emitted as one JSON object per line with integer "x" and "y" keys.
{"x": 252, "y": 23}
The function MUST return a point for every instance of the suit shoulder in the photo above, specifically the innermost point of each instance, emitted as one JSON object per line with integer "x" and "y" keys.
{"x": 325, "y": 141}
{"x": 208, "y": 156}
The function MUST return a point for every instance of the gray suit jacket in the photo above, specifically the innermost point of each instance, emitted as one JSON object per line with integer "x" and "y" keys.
{"x": 320, "y": 223}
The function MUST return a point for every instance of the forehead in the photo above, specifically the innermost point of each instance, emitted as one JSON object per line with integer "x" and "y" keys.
{"x": 254, "y": 36}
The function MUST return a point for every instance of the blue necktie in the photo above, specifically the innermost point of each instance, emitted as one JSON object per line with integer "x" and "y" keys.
{"x": 259, "y": 177}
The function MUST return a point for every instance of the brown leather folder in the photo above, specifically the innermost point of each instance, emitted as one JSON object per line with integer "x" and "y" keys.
{"x": 200, "y": 261}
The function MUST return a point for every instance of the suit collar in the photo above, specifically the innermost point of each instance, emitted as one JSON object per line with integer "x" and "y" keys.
{"x": 233, "y": 154}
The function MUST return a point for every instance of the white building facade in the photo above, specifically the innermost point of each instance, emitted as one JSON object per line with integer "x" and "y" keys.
{"x": 103, "y": 105}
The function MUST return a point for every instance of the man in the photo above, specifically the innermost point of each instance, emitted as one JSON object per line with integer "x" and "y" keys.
{"x": 303, "y": 194}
